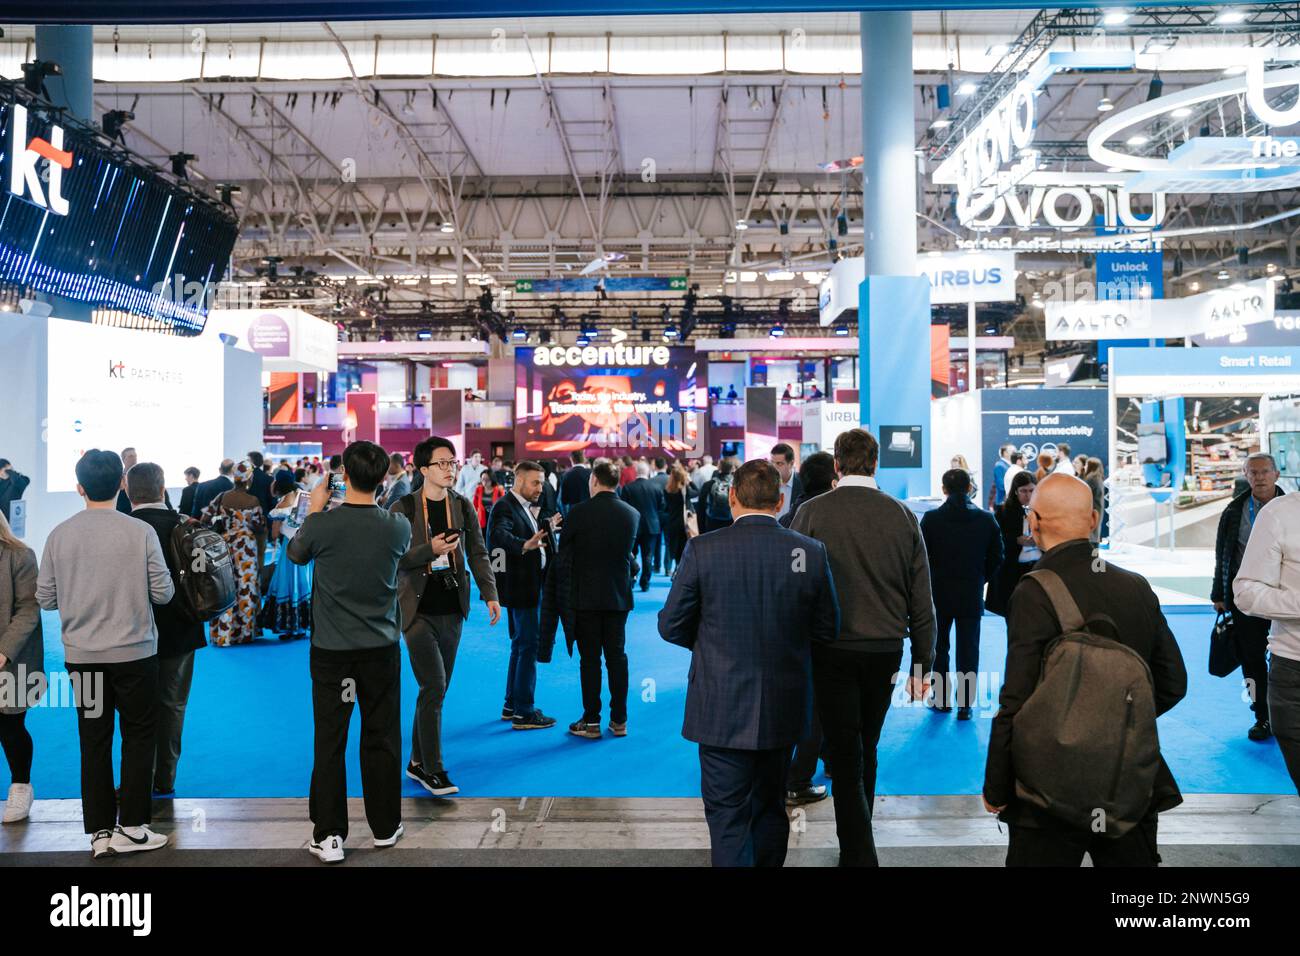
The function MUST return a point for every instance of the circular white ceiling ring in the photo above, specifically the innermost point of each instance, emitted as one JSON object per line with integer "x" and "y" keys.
{"x": 1112, "y": 126}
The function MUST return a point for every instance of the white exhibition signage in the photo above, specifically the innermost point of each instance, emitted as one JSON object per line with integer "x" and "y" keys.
{"x": 1218, "y": 311}
{"x": 289, "y": 340}
{"x": 823, "y": 422}
{"x": 955, "y": 277}
{"x": 118, "y": 388}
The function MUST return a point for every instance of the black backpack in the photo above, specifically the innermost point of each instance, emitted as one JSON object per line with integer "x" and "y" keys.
{"x": 719, "y": 505}
{"x": 1084, "y": 745}
{"x": 205, "y": 572}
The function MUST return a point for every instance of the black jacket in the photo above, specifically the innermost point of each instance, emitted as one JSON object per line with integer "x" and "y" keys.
{"x": 520, "y": 584}
{"x": 186, "y": 506}
{"x": 206, "y": 491}
{"x": 649, "y": 503}
{"x": 1010, "y": 519}
{"x": 11, "y": 489}
{"x": 260, "y": 487}
{"x": 1127, "y": 599}
{"x": 573, "y": 486}
{"x": 1226, "y": 560}
{"x": 593, "y": 567}
{"x": 124, "y": 501}
{"x": 177, "y": 634}
{"x": 964, "y": 545}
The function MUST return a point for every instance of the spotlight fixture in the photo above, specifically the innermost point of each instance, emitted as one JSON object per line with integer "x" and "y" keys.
{"x": 1229, "y": 17}
{"x": 447, "y": 226}
{"x": 113, "y": 121}
{"x": 967, "y": 88}
{"x": 1182, "y": 112}
{"x": 670, "y": 333}
{"x": 1223, "y": 275}
{"x": 777, "y": 331}
{"x": 424, "y": 335}
{"x": 841, "y": 329}
{"x": 227, "y": 191}
{"x": 1113, "y": 18}
{"x": 1193, "y": 286}
{"x": 582, "y": 340}
{"x": 520, "y": 333}
{"x": 179, "y": 161}
{"x": 1138, "y": 140}
{"x": 1271, "y": 268}
{"x": 34, "y": 75}
{"x": 741, "y": 224}
{"x": 1104, "y": 105}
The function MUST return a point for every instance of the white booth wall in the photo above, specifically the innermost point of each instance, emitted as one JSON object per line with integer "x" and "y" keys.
{"x": 955, "y": 429}
{"x": 25, "y": 359}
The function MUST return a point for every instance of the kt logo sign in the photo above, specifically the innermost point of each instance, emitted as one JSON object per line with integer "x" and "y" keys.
{"x": 23, "y": 177}
{"x": 116, "y": 369}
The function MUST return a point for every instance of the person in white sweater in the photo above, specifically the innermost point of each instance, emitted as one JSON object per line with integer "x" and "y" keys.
{"x": 1268, "y": 586}
{"x": 102, "y": 570}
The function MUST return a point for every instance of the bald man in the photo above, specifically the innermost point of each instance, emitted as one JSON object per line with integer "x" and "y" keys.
{"x": 1060, "y": 520}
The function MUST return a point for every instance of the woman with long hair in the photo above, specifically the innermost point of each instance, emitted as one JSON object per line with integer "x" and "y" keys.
{"x": 1045, "y": 465}
{"x": 22, "y": 663}
{"x": 287, "y": 608}
{"x": 1018, "y": 547}
{"x": 237, "y": 516}
{"x": 1094, "y": 473}
{"x": 487, "y": 492}
{"x": 959, "y": 461}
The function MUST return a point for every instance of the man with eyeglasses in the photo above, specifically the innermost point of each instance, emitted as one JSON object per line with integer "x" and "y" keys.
{"x": 433, "y": 592}
{"x": 1249, "y": 634}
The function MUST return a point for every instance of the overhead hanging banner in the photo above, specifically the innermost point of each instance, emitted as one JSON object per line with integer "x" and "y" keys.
{"x": 955, "y": 277}
{"x": 289, "y": 340}
{"x": 1209, "y": 312}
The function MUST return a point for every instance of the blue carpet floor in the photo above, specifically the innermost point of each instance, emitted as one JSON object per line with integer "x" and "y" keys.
{"x": 248, "y": 730}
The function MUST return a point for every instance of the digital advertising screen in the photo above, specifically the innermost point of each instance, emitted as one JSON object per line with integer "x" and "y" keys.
{"x": 607, "y": 399}
{"x": 120, "y": 388}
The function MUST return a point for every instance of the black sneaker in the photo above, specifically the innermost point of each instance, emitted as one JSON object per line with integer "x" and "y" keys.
{"x": 507, "y": 713}
{"x": 534, "y": 721}
{"x": 580, "y": 728}
{"x": 809, "y": 794}
{"x": 1261, "y": 731}
{"x": 437, "y": 783}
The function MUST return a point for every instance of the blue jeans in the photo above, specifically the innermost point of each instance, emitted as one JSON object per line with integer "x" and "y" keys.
{"x": 521, "y": 677}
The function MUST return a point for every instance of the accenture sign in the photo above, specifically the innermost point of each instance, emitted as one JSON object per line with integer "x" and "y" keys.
{"x": 589, "y": 355}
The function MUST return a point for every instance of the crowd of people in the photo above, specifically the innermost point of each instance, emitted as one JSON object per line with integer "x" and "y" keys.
{"x": 809, "y": 599}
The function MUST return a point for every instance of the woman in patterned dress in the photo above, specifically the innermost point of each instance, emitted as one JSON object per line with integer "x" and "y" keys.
{"x": 287, "y": 609}
{"x": 237, "y": 516}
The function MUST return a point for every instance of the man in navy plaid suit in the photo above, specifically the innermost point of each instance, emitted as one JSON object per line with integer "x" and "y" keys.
{"x": 748, "y": 601}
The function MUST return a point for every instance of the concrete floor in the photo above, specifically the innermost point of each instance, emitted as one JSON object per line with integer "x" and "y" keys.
{"x": 1209, "y": 829}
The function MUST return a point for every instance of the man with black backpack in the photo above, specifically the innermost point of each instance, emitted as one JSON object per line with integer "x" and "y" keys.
{"x": 714, "y": 501}
{"x": 1074, "y": 762}
{"x": 179, "y": 633}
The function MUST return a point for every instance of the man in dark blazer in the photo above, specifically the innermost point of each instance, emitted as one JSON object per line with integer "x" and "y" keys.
{"x": 593, "y": 589}
{"x": 206, "y": 491}
{"x": 964, "y": 546}
{"x": 659, "y": 478}
{"x": 648, "y": 500}
{"x": 749, "y": 601}
{"x": 186, "y": 506}
{"x": 129, "y": 459}
{"x": 791, "y": 485}
{"x": 573, "y": 487}
{"x": 1061, "y": 519}
{"x": 261, "y": 483}
{"x": 519, "y": 545}
{"x": 178, "y": 636}
{"x": 433, "y": 595}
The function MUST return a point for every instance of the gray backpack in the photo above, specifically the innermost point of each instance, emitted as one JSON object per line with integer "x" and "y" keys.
{"x": 1084, "y": 744}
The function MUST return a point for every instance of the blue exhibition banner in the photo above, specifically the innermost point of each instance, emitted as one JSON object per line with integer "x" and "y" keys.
{"x": 1123, "y": 275}
{"x": 1042, "y": 419}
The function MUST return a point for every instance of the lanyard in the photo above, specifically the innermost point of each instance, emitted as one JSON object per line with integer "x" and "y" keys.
{"x": 1250, "y": 507}
{"x": 424, "y": 516}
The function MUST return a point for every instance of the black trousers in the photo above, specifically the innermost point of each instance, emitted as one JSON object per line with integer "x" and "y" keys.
{"x": 853, "y": 690}
{"x": 1050, "y": 846}
{"x": 744, "y": 804}
{"x": 1250, "y": 635}
{"x": 1284, "y": 712}
{"x": 657, "y": 548}
{"x": 602, "y": 632}
{"x": 371, "y": 678}
{"x": 17, "y": 745}
{"x": 968, "y": 659}
{"x": 804, "y": 765}
{"x": 645, "y": 548}
{"x": 129, "y": 690}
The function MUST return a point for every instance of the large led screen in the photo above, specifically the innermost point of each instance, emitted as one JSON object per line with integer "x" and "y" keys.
{"x": 119, "y": 388}
{"x": 607, "y": 399}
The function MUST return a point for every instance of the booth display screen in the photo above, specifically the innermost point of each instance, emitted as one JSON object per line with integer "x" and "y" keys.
{"x": 119, "y": 388}
{"x": 1285, "y": 449}
{"x": 654, "y": 398}
{"x": 86, "y": 221}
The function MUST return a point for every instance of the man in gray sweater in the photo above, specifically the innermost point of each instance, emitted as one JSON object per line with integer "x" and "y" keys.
{"x": 882, "y": 576}
{"x": 102, "y": 571}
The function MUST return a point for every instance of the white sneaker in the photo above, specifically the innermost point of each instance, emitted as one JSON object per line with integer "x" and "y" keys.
{"x": 19, "y": 803}
{"x": 136, "y": 839}
{"x": 100, "y": 844}
{"x": 328, "y": 850}
{"x": 397, "y": 835}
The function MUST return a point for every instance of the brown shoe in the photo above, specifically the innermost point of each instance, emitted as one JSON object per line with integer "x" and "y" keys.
{"x": 617, "y": 729}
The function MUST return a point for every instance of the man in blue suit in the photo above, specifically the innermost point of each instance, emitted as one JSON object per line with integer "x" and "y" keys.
{"x": 748, "y": 601}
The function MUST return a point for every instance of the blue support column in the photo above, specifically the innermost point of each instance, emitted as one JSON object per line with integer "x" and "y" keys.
{"x": 894, "y": 303}
{"x": 72, "y": 47}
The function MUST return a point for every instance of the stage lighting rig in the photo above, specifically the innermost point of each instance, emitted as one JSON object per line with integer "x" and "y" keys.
{"x": 34, "y": 74}
{"x": 112, "y": 123}
{"x": 179, "y": 163}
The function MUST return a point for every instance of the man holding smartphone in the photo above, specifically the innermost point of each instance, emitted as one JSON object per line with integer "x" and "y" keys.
{"x": 433, "y": 591}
